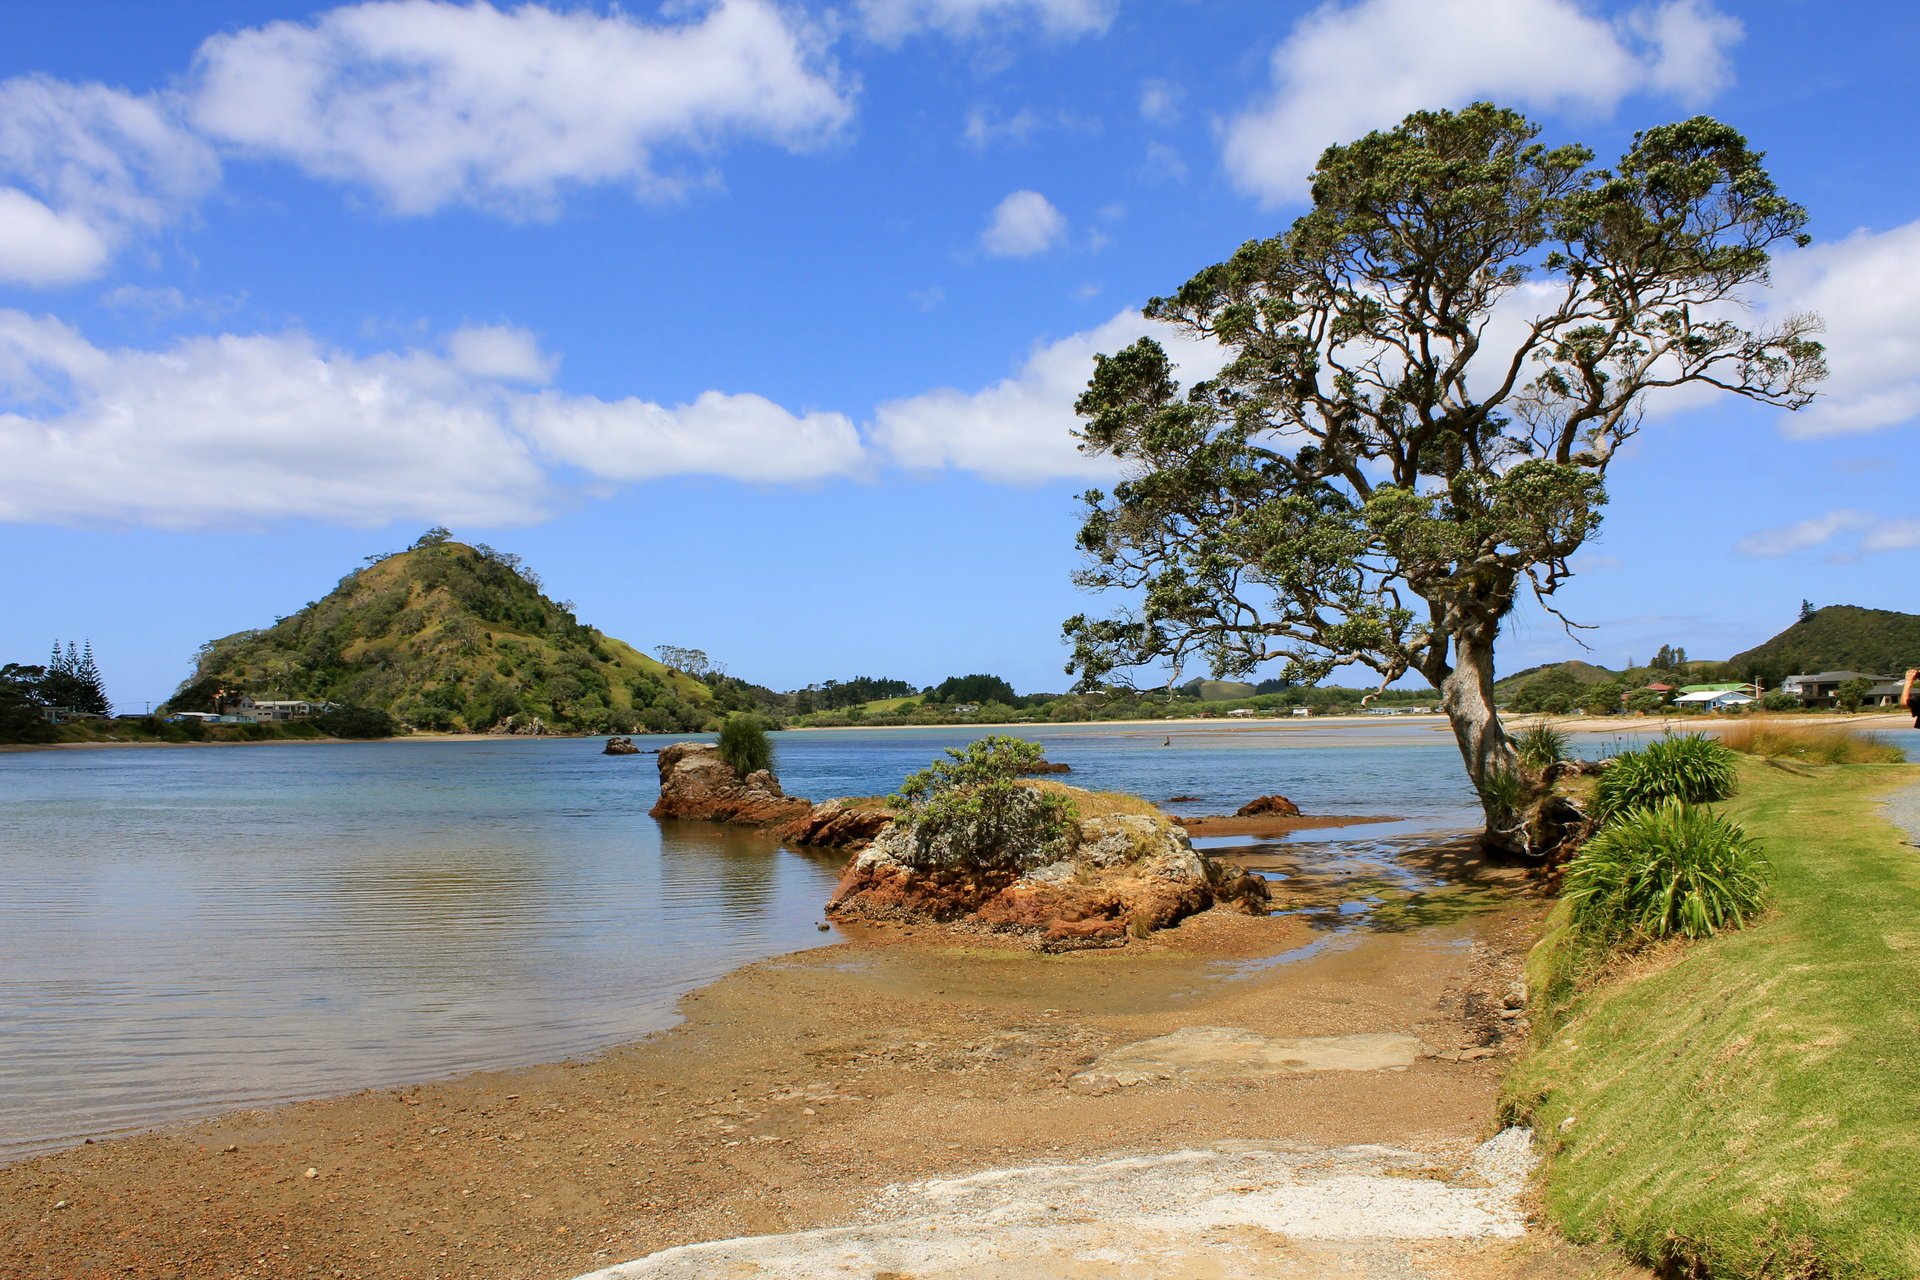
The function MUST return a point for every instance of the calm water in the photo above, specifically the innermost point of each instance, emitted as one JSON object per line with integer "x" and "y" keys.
{"x": 185, "y": 931}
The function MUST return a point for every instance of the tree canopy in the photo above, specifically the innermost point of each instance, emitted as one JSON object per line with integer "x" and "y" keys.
{"x": 1428, "y": 376}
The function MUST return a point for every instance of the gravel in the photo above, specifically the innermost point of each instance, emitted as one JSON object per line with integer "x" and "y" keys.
{"x": 1903, "y": 807}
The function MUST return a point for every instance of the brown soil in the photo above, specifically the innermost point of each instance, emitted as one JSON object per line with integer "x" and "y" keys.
{"x": 794, "y": 1089}
{"x": 1268, "y": 825}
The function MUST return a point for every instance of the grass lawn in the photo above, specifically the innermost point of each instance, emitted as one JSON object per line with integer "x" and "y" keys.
{"x": 1749, "y": 1105}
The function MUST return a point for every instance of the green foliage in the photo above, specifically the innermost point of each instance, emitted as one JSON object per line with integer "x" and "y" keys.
{"x": 20, "y": 704}
{"x": 1664, "y": 870}
{"x": 744, "y": 744}
{"x": 1541, "y": 746}
{"x": 970, "y": 809}
{"x": 1811, "y": 744}
{"x": 1691, "y": 768}
{"x": 974, "y": 688}
{"x": 1851, "y": 694}
{"x": 355, "y": 722}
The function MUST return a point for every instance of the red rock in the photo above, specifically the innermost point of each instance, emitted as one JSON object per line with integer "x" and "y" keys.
{"x": 838, "y": 824}
{"x": 696, "y": 783}
{"x": 1268, "y": 806}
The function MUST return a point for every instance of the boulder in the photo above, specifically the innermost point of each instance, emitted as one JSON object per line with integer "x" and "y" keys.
{"x": 695, "y": 782}
{"x": 1045, "y": 766}
{"x": 845, "y": 823}
{"x": 620, "y": 747}
{"x": 1268, "y": 807}
{"x": 1102, "y": 881}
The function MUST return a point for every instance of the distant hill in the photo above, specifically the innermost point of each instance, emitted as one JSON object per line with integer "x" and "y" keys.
{"x": 1840, "y": 637}
{"x": 448, "y": 636}
{"x": 1217, "y": 690}
{"x": 1580, "y": 672}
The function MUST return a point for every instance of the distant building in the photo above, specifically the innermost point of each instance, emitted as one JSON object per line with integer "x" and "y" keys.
{"x": 1303, "y": 711}
{"x": 1243, "y": 712}
{"x": 1818, "y": 689}
{"x": 247, "y": 710}
{"x": 1715, "y": 699}
{"x": 1733, "y": 686}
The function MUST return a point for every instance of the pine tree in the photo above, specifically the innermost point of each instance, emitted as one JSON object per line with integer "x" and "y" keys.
{"x": 91, "y": 687}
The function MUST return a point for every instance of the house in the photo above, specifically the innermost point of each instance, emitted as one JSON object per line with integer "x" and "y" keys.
{"x": 1303, "y": 711}
{"x": 1819, "y": 688}
{"x": 1885, "y": 695}
{"x": 1733, "y": 686}
{"x": 1241, "y": 713}
{"x": 1714, "y": 699}
{"x": 246, "y": 710}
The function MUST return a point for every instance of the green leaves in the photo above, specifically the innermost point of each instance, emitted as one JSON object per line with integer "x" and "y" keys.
{"x": 1668, "y": 870}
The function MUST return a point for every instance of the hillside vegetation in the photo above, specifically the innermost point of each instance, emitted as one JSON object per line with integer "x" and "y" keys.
{"x": 451, "y": 637}
{"x": 1838, "y": 637}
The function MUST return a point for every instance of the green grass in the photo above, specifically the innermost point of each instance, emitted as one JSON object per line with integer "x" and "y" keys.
{"x": 1748, "y": 1105}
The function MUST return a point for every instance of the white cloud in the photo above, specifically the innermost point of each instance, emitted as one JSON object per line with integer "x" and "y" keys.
{"x": 83, "y": 169}
{"x": 741, "y": 437}
{"x": 1160, "y": 102}
{"x": 500, "y": 352}
{"x": 429, "y": 103}
{"x": 1346, "y": 69}
{"x": 1023, "y": 224}
{"x": 242, "y": 429}
{"x": 1869, "y": 533}
{"x": 1019, "y": 430}
{"x": 891, "y": 21}
{"x": 1867, "y": 290}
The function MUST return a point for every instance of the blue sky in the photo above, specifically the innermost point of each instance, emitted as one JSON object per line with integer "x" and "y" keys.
{"x": 757, "y": 327}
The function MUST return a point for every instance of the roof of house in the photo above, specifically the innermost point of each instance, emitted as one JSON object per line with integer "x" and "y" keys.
{"x": 1704, "y": 696}
{"x": 1835, "y": 677}
{"x": 1730, "y": 686}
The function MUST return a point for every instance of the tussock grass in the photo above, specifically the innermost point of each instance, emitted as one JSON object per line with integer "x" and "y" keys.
{"x": 1811, "y": 743}
{"x": 1744, "y": 1105}
{"x": 1096, "y": 804}
{"x": 1686, "y": 767}
{"x": 1671, "y": 870}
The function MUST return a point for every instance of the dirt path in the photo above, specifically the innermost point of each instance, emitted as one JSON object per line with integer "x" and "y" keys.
{"x": 800, "y": 1090}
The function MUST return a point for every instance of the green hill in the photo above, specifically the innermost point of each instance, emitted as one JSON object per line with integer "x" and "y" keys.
{"x": 1571, "y": 672}
{"x": 450, "y": 637}
{"x": 1217, "y": 690}
{"x": 1840, "y": 637}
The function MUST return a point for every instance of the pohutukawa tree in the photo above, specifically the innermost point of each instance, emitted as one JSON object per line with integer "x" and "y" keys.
{"x": 1428, "y": 376}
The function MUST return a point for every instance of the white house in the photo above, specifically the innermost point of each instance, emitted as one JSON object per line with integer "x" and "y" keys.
{"x": 1242, "y": 713}
{"x": 1714, "y": 699}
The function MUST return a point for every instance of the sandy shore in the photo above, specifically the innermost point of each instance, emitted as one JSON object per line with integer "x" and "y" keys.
{"x": 798, "y": 1088}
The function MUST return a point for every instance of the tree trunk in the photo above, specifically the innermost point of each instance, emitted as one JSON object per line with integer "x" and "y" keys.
{"x": 1466, "y": 695}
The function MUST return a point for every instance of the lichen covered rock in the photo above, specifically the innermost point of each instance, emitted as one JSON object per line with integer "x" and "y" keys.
{"x": 845, "y": 823}
{"x": 695, "y": 782}
{"x": 1096, "y": 881}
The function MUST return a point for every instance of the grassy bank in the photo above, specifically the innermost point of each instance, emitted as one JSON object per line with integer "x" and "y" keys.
{"x": 1750, "y": 1105}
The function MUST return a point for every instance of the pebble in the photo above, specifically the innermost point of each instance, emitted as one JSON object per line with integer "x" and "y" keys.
{"x": 311, "y": 1173}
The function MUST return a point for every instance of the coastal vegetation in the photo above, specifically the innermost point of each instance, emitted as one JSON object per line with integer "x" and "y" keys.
{"x": 744, "y": 744}
{"x": 1735, "y": 1105}
{"x": 1664, "y": 870}
{"x": 1343, "y": 491}
{"x": 1811, "y": 744}
{"x": 1689, "y": 768}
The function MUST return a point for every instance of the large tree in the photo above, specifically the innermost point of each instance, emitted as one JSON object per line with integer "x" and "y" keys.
{"x": 1427, "y": 377}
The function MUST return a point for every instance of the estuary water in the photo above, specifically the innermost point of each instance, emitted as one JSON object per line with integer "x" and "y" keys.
{"x": 189, "y": 930}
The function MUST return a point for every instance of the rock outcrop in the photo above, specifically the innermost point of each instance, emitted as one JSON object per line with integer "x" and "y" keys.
{"x": 1045, "y": 766}
{"x": 845, "y": 823}
{"x": 620, "y": 747}
{"x": 1103, "y": 880}
{"x": 695, "y": 782}
{"x": 1268, "y": 807}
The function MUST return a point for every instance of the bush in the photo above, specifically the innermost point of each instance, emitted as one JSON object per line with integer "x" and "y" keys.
{"x": 1542, "y": 746}
{"x": 744, "y": 743}
{"x": 1813, "y": 744}
{"x": 1666, "y": 870}
{"x": 355, "y": 722}
{"x": 1686, "y": 767}
{"x": 972, "y": 811}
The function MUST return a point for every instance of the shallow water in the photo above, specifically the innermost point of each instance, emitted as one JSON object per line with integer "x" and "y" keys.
{"x": 189, "y": 930}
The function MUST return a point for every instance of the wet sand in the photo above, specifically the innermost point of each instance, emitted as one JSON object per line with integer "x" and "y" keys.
{"x": 799, "y": 1087}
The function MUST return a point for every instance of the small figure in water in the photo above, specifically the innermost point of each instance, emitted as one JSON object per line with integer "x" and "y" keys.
{"x": 1169, "y": 741}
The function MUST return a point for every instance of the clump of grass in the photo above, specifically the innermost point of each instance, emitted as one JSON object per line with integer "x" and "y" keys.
{"x": 1095, "y": 804}
{"x": 744, "y": 743}
{"x": 1541, "y": 746}
{"x": 1687, "y": 767}
{"x": 1671, "y": 869}
{"x": 1811, "y": 743}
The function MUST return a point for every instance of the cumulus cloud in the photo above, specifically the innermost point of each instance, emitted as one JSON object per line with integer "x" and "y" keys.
{"x": 247, "y": 428}
{"x": 891, "y": 21}
{"x": 1347, "y": 69}
{"x": 1862, "y": 530}
{"x": 499, "y": 351}
{"x": 1020, "y": 430}
{"x": 429, "y": 103}
{"x": 1023, "y": 224}
{"x": 1867, "y": 290}
{"x": 83, "y": 169}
